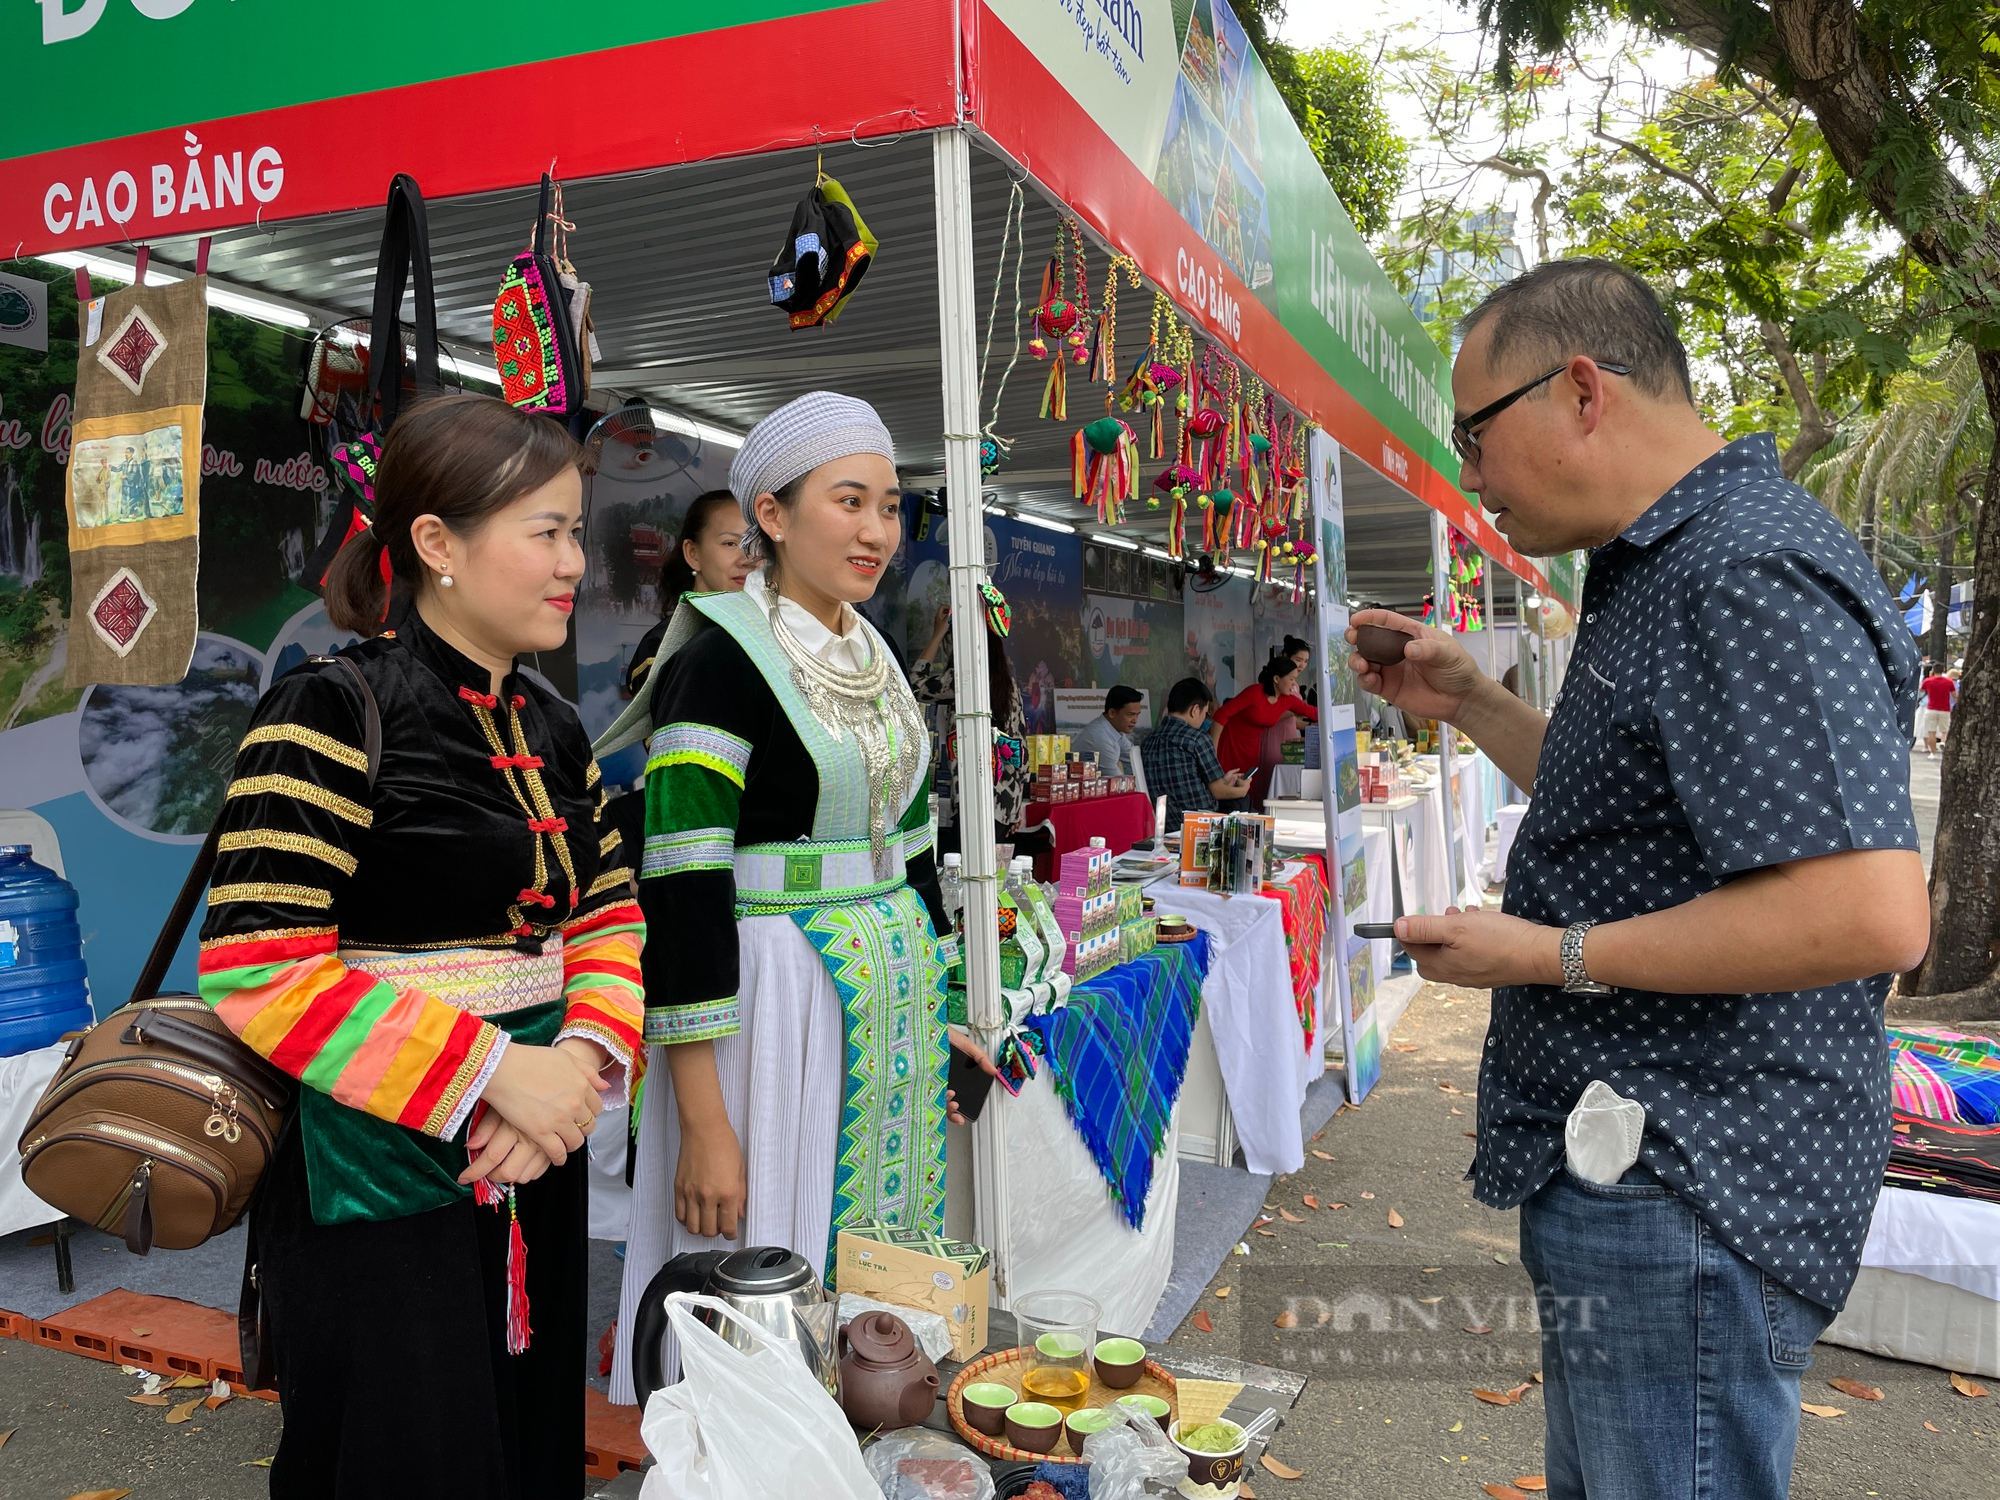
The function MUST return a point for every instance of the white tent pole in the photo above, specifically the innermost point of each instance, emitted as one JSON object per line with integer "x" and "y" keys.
{"x": 1492, "y": 631}
{"x": 951, "y": 172}
{"x": 1441, "y": 613}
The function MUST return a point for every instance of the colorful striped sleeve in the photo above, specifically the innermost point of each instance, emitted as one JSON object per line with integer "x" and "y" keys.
{"x": 292, "y": 819}
{"x": 603, "y": 990}
{"x": 710, "y": 703}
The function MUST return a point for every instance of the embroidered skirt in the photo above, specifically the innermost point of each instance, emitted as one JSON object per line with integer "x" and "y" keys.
{"x": 834, "y": 1086}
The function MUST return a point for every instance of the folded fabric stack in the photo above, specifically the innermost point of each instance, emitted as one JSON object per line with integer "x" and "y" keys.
{"x": 1959, "y": 1161}
{"x": 1946, "y": 1075}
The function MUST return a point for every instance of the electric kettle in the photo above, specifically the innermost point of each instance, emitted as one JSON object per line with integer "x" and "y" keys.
{"x": 767, "y": 1285}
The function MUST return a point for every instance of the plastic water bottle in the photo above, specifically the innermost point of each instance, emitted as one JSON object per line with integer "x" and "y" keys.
{"x": 42, "y": 981}
{"x": 951, "y": 887}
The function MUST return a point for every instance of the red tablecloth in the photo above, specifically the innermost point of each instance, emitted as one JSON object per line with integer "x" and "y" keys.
{"x": 1120, "y": 821}
{"x": 1305, "y": 898}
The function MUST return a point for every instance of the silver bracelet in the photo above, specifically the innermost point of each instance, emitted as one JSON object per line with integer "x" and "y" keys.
{"x": 1576, "y": 980}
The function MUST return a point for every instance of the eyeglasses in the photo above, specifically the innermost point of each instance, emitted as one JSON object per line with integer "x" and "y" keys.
{"x": 1467, "y": 446}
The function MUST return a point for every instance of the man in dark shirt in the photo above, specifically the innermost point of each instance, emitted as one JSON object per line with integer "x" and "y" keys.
{"x": 1179, "y": 757}
{"x": 1717, "y": 872}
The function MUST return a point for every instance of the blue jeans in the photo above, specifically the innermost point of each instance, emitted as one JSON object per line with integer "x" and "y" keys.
{"x": 1670, "y": 1364}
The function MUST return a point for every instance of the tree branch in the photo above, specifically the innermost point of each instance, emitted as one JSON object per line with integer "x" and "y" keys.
{"x": 1687, "y": 179}
{"x": 1541, "y": 204}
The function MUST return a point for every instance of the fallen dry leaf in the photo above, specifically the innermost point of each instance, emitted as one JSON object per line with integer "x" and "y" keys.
{"x": 1531, "y": 1482}
{"x": 1289, "y": 1217}
{"x": 185, "y": 1383}
{"x": 1270, "y": 1205}
{"x": 149, "y": 1400}
{"x": 1395, "y": 1219}
{"x": 1368, "y": 1195}
{"x": 1495, "y": 1398}
{"x": 1283, "y": 1471}
{"x": 1449, "y": 1088}
{"x": 1456, "y": 1427}
{"x": 1504, "y": 1492}
{"x": 1324, "y": 1155}
{"x": 1430, "y": 1301}
{"x": 7, "y": 1434}
{"x": 1430, "y": 1270}
{"x": 1311, "y": 1201}
{"x": 1222, "y": 1291}
{"x": 1850, "y": 1387}
{"x": 1331, "y": 1206}
{"x": 1470, "y": 1134}
{"x": 1203, "y": 1322}
{"x": 1286, "y": 1319}
{"x": 1245, "y": 1490}
{"x": 142, "y": 1333}
{"x": 211, "y": 1402}
{"x": 1269, "y": 1234}
{"x": 1322, "y": 1134}
{"x": 185, "y": 1410}
{"x": 1521, "y": 1390}
{"x": 1538, "y": 1377}
{"x": 1456, "y": 1110}
{"x": 257, "y": 1463}
{"x": 1929, "y": 1428}
{"x": 1478, "y": 1327}
{"x": 1966, "y": 1386}
{"x": 100, "y": 1495}
{"x": 1405, "y": 1046}
{"x": 1821, "y": 1411}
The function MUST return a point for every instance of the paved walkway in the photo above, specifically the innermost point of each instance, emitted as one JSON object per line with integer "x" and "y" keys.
{"x": 1925, "y": 773}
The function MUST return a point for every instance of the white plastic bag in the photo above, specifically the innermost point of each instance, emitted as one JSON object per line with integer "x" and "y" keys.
{"x": 746, "y": 1426}
{"x": 1131, "y": 1458}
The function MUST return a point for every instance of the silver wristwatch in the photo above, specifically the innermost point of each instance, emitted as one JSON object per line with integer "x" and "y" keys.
{"x": 1575, "y": 980}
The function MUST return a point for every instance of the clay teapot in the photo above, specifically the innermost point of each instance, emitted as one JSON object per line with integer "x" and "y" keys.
{"x": 885, "y": 1379}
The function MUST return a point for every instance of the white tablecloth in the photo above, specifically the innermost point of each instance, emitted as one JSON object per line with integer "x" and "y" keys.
{"x": 1265, "y": 1059}
{"x": 1510, "y": 824}
{"x": 1952, "y": 1240}
{"x": 1381, "y": 903}
{"x": 1064, "y": 1231}
{"x": 23, "y": 1077}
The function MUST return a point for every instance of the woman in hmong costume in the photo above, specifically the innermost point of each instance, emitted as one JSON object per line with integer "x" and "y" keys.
{"x": 795, "y": 983}
{"x": 452, "y": 945}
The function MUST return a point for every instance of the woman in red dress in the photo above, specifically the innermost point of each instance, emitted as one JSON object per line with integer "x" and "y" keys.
{"x": 1244, "y": 718}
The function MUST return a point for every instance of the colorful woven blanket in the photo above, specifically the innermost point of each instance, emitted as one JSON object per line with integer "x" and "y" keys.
{"x": 1118, "y": 1052}
{"x": 1305, "y": 899}
{"x": 1946, "y": 1075}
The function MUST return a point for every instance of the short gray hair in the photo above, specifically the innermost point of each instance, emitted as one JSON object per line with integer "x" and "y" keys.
{"x": 1596, "y": 308}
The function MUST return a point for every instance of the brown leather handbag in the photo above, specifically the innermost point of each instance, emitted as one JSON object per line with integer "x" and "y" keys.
{"x": 160, "y": 1121}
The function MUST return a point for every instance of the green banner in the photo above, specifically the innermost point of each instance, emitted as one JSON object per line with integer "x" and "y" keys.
{"x": 80, "y": 71}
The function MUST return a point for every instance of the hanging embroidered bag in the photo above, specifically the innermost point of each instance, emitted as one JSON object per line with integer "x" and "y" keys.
{"x": 541, "y": 317}
{"x": 404, "y": 260}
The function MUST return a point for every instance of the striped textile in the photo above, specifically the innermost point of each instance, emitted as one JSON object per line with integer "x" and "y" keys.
{"x": 1916, "y": 1087}
{"x": 603, "y": 994}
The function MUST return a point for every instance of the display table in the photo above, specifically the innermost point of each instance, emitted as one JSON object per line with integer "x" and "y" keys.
{"x": 1510, "y": 825}
{"x": 1250, "y": 1011}
{"x": 1929, "y": 1285}
{"x": 1093, "y": 1139}
{"x": 1120, "y": 821}
{"x": 1416, "y": 836}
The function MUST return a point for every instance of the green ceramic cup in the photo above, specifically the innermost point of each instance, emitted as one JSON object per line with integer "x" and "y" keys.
{"x": 985, "y": 1405}
{"x": 1034, "y": 1426}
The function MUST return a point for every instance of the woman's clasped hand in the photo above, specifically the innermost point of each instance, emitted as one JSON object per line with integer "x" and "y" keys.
{"x": 542, "y": 1102}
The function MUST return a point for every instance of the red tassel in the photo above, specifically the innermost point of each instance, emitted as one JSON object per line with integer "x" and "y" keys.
{"x": 517, "y": 1280}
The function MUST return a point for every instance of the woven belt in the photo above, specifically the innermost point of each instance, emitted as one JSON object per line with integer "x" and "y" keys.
{"x": 478, "y": 981}
{"x": 773, "y": 878}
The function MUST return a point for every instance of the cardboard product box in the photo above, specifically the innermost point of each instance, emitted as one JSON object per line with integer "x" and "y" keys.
{"x": 915, "y": 1268}
{"x": 1094, "y": 786}
{"x": 1121, "y": 786}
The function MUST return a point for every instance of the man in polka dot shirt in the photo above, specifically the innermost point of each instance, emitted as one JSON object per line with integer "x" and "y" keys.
{"x": 1717, "y": 873}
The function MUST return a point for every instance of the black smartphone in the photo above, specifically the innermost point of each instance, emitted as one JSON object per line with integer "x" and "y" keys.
{"x": 969, "y": 1082}
{"x": 1374, "y": 929}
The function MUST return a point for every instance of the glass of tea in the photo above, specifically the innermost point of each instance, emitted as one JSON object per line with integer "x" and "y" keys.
{"x": 1059, "y": 1331}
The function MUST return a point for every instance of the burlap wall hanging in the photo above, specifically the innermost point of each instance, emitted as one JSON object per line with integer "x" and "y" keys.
{"x": 133, "y": 487}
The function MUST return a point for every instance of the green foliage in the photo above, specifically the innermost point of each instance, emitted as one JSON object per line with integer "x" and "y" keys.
{"x": 1335, "y": 98}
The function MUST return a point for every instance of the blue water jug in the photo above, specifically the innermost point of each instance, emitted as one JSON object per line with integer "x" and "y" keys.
{"x": 42, "y": 989}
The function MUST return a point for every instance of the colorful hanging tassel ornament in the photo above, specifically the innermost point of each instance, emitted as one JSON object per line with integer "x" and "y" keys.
{"x": 1104, "y": 467}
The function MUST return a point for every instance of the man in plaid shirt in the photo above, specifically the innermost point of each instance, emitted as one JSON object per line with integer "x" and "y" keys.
{"x": 1180, "y": 758}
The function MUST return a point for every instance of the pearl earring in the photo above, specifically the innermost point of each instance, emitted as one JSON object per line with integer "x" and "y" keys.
{"x": 445, "y": 579}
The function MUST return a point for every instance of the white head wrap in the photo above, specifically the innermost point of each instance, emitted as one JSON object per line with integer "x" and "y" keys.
{"x": 797, "y": 438}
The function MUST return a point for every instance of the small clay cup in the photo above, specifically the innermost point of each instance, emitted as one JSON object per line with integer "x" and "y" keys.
{"x": 1217, "y": 1472}
{"x": 1080, "y": 1424}
{"x": 1034, "y": 1426}
{"x": 986, "y": 1404}
{"x": 1120, "y": 1362}
{"x": 1153, "y": 1406}
{"x": 1380, "y": 645}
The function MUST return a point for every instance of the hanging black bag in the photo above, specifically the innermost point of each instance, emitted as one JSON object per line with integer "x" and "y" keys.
{"x": 405, "y": 258}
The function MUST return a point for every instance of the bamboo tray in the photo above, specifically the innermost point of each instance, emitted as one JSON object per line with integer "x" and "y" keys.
{"x": 1007, "y": 1366}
